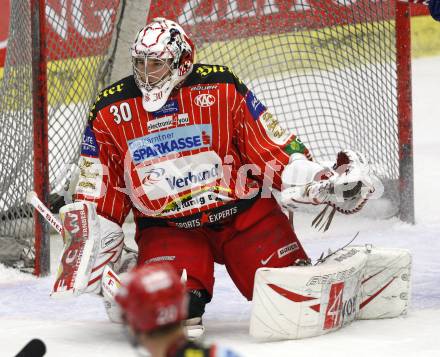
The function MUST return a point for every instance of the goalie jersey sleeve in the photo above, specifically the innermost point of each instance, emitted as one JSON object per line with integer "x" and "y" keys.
{"x": 101, "y": 173}
{"x": 262, "y": 140}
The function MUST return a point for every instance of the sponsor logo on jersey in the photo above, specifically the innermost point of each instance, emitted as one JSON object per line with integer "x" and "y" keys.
{"x": 196, "y": 198}
{"x": 208, "y": 218}
{"x": 160, "y": 123}
{"x": 89, "y": 146}
{"x": 265, "y": 261}
{"x": 182, "y": 174}
{"x": 170, "y": 141}
{"x": 193, "y": 178}
{"x": 204, "y": 100}
{"x": 90, "y": 177}
{"x": 170, "y": 107}
{"x": 290, "y": 248}
{"x": 190, "y": 201}
{"x": 182, "y": 119}
{"x": 153, "y": 175}
{"x": 255, "y": 107}
{"x": 206, "y": 70}
{"x": 295, "y": 146}
{"x": 204, "y": 87}
{"x": 104, "y": 94}
{"x": 273, "y": 129}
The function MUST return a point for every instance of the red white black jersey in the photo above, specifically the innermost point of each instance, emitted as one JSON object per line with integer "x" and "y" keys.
{"x": 211, "y": 144}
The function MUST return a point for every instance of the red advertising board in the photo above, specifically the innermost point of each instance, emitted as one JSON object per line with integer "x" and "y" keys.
{"x": 4, "y": 29}
{"x": 249, "y": 17}
{"x": 72, "y": 24}
{"x": 75, "y": 28}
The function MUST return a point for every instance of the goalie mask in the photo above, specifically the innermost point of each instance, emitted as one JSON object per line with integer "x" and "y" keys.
{"x": 162, "y": 57}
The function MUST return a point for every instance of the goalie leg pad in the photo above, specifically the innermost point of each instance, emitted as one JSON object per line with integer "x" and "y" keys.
{"x": 357, "y": 282}
{"x": 111, "y": 242}
{"x": 386, "y": 286}
{"x": 306, "y": 301}
{"x": 111, "y": 283}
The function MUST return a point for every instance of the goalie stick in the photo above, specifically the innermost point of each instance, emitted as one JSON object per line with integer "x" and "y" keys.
{"x": 34, "y": 348}
{"x": 33, "y": 199}
{"x": 322, "y": 259}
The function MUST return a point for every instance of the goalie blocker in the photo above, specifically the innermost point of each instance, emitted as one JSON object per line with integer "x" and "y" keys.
{"x": 355, "y": 283}
{"x": 90, "y": 243}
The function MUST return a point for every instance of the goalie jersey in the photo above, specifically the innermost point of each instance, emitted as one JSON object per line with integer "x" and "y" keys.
{"x": 188, "y": 157}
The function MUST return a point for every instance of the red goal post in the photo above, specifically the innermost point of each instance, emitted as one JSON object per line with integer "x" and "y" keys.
{"x": 57, "y": 57}
{"x": 336, "y": 72}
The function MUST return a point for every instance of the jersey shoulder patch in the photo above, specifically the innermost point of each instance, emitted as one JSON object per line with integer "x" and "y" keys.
{"x": 213, "y": 73}
{"x": 89, "y": 145}
{"x": 124, "y": 89}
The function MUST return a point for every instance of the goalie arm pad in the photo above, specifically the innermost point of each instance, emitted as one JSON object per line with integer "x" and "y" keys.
{"x": 297, "y": 177}
{"x": 346, "y": 187}
{"x": 90, "y": 243}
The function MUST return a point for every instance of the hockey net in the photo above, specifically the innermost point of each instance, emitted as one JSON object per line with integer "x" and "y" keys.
{"x": 80, "y": 41}
{"x": 328, "y": 69}
{"x": 333, "y": 71}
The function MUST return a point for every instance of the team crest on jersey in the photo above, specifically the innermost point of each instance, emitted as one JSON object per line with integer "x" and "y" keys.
{"x": 176, "y": 140}
{"x": 204, "y": 100}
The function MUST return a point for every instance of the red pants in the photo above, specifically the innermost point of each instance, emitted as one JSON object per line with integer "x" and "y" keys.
{"x": 260, "y": 236}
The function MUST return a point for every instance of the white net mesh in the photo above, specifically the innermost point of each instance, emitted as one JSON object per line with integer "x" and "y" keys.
{"x": 326, "y": 68}
{"x": 79, "y": 39}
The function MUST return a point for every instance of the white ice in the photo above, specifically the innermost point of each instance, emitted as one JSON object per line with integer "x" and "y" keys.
{"x": 79, "y": 326}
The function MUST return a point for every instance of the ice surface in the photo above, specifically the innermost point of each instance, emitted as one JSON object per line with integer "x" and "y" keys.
{"x": 79, "y": 327}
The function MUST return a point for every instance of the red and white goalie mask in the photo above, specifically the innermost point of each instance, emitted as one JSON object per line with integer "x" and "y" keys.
{"x": 163, "y": 56}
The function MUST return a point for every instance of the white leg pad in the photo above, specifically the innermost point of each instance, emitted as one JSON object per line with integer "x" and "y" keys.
{"x": 299, "y": 302}
{"x": 386, "y": 287}
{"x": 358, "y": 282}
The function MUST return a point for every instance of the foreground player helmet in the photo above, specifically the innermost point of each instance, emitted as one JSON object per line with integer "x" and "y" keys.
{"x": 162, "y": 56}
{"x": 153, "y": 296}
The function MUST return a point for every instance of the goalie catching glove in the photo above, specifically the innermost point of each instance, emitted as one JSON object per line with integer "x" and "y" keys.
{"x": 344, "y": 188}
{"x": 90, "y": 243}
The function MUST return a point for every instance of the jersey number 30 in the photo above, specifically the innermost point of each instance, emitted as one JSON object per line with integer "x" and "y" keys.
{"x": 121, "y": 112}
